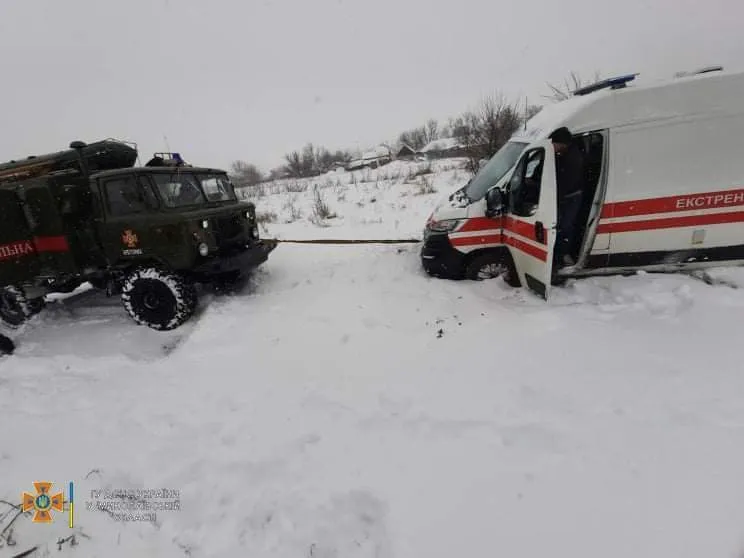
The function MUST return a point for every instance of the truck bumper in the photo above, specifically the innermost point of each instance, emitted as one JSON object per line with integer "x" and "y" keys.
{"x": 253, "y": 256}
{"x": 440, "y": 259}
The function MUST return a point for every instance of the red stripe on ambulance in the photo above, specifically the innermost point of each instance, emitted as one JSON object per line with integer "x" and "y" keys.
{"x": 524, "y": 229}
{"x": 529, "y": 249}
{"x": 475, "y": 240}
{"x": 481, "y": 224}
{"x": 672, "y": 204}
{"x": 672, "y": 222}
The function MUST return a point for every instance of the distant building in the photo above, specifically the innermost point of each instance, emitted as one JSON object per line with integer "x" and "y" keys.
{"x": 371, "y": 159}
{"x": 406, "y": 152}
{"x": 444, "y": 147}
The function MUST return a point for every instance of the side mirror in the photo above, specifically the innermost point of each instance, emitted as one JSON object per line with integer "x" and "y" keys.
{"x": 494, "y": 202}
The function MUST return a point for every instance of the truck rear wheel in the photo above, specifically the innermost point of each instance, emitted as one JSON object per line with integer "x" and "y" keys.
{"x": 16, "y": 307}
{"x": 158, "y": 299}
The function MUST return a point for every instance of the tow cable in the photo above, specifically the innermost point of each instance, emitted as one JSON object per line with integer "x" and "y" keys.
{"x": 347, "y": 241}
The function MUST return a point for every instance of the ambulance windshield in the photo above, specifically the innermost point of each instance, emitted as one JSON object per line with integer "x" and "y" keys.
{"x": 494, "y": 170}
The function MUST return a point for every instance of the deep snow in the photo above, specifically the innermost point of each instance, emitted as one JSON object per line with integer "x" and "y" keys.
{"x": 344, "y": 404}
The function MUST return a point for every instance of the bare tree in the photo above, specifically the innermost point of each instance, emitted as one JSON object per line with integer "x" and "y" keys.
{"x": 415, "y": 138}
{"x": 574, "y": 81}
{"x": 432, "y": 130}
{"x": 294, "y": 164}
{"x": 482, "y": 132}
{"x": 245, "y": 174}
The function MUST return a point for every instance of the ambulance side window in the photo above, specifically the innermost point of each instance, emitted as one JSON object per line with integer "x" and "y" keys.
{"x": 524, "y": 186}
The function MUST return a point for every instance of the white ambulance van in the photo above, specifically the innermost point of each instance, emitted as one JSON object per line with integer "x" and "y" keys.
{"x": 664, "y": 187}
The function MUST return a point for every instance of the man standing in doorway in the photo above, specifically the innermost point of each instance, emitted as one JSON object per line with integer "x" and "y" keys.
{"x": 569, "y": 168}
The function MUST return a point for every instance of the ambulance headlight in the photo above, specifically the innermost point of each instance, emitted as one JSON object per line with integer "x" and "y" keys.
{"x": 448, "y": 225}
{"x": 203, "y": 249}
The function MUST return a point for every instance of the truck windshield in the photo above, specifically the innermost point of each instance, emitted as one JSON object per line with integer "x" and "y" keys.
{"x": 217, "y": 187}
{"x": 179, "y": 189}
{"x": 183, "y": 189}
{"x": 494, "y": 170}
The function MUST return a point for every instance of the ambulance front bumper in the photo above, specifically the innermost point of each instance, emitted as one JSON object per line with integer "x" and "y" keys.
{"x": 439, "y": 258}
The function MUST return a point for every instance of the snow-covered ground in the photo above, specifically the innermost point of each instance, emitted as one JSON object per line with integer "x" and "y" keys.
{"x": 392, "y": 201}
{"x": 346, "y": 405}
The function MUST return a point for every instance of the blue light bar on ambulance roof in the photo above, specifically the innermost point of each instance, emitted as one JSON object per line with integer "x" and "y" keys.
{"x": 611, "y": 83}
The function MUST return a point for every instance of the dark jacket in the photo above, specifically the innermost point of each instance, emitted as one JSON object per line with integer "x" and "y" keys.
{"x": 570, "y": 171}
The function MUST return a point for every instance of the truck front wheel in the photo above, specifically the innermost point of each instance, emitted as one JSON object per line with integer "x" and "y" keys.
{"x": 158, "y": 299}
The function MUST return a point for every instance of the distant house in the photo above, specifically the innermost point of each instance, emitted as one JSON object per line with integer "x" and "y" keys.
{"x": 405, "y": 152}
{"x": 444, "y": 147}
{"x": 371, "y": 159}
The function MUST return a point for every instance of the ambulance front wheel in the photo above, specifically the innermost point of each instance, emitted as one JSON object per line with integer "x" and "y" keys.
{"x": 490, "y": 266}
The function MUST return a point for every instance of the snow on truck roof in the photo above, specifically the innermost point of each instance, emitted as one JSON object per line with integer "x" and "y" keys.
{"x": 703, "y": 93}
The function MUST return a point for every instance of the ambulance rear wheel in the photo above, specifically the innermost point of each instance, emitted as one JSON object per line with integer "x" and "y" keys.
{"x": 158, "y": 299}
{"x": 491, "y": 266}
{"x": 16, "y": 308}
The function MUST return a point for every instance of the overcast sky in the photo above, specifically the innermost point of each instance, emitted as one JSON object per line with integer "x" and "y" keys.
{"x": 253, "y": 79}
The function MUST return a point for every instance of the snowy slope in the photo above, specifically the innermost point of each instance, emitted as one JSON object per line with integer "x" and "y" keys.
{"x": 344, "y": 404}
{"x": 392, "y": 201}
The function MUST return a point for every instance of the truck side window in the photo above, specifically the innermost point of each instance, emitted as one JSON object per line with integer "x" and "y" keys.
{"x": 124, "y": 196}
{"x": 147, "y": 190}
{"x": 524, "y": 186}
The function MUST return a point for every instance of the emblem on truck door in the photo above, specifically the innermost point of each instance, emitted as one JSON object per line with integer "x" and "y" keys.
{"x": 129, "y": 238}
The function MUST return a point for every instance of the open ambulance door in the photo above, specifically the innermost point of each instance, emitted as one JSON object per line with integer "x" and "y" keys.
{"x": 532, "y": 215}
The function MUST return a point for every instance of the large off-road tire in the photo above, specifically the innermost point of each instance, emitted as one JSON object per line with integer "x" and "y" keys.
{"x": 16, "y": 307}
{"x": 7, "y": 347}
{"x": 490, "y": 266}
{"x": 158, "y": 299}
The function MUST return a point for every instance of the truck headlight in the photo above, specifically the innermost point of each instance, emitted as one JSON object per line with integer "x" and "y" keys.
{"x": 203, "y": 249}
{"x": 448, "y": 225}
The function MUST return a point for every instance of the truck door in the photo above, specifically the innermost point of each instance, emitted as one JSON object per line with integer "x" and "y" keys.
{"x": 126, "y": 231}
{"x": 531, "y": 220}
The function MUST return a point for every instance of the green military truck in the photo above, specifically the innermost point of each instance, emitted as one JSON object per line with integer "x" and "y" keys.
{"x": 148, "y": 233}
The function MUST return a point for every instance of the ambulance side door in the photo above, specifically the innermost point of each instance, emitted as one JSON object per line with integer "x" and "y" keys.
{"x": 531, "y": 220}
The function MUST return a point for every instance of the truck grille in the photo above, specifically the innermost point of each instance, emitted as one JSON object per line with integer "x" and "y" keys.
{"x": 229, "y": 232}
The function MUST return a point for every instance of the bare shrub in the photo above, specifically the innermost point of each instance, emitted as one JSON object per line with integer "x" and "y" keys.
{"x": 423, "y": 170}
{"x": 296, "y": 187}
{"x": 293, "y": 212}
{"x": 266, "y": 217}
{"x": 424, "y": 185}
{"x": 321, "y": 210}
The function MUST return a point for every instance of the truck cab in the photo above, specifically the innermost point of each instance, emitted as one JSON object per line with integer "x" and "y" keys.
{"x": 149, "y": 233}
